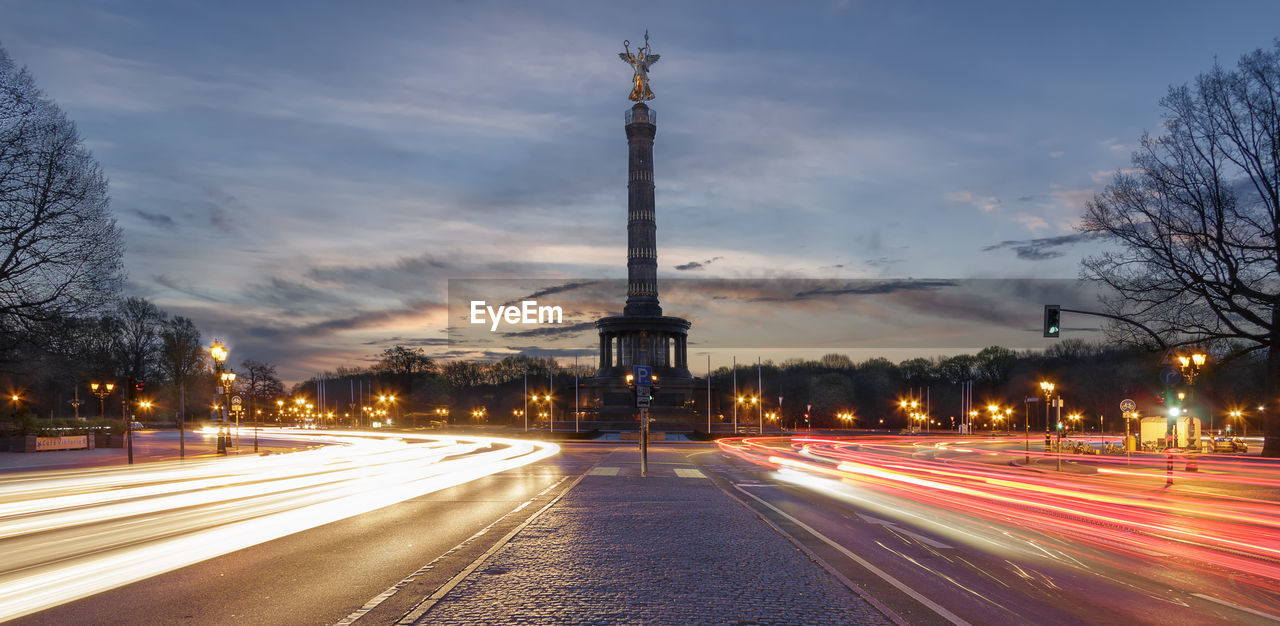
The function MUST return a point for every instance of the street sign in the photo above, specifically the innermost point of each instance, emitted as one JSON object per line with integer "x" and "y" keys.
{"x": 643, "y": 374}
{"x": 1035, "y": 399}
{"x": 642, "y": 398}
{"x": 1170, "y": 376}
{"x": 1128, "y": 405}
{"x": 235, "y": 401}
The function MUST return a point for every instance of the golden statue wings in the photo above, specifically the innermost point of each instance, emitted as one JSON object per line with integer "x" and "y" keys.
{"x": 641, "y": 61}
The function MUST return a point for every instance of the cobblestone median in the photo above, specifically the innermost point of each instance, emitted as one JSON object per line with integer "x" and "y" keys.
{"x": 658, "y": 551}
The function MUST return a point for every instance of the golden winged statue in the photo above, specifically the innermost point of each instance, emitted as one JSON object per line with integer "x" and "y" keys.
{"x": 641, "y": 61}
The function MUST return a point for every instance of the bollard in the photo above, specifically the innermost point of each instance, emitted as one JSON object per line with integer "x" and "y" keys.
{"x": 1191, "y": 463}
{"x": 1169, "y": 470}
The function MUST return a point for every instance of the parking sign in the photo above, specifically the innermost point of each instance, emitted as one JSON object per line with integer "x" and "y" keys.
{"x": 643, "y": 374}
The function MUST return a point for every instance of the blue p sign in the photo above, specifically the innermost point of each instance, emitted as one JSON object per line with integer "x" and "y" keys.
{"x": 643, "y": 374}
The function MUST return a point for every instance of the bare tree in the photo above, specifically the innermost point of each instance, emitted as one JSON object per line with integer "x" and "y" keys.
{"x": 402, "y": 361}
{"x": 60, "y": 249}
{"x": 260, "y": 383}
{"x": 181, "y": 356}
{"x": 138, "y": 344}
{"x": 1196, "y": 222}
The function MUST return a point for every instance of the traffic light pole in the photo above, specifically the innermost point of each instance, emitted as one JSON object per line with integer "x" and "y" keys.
{"x": 1159, "y": 341}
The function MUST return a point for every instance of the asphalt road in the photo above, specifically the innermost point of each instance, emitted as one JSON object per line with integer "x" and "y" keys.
{"x": 926, "y": 563}
{"x": 322, "y": 575}
{"x": 932, "y": 565}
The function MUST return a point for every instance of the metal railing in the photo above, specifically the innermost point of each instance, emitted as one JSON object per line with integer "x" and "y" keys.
{"x": 650, "y": 116}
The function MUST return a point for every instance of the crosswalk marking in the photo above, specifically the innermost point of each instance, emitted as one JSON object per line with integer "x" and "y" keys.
{"x": 683, "y": 472}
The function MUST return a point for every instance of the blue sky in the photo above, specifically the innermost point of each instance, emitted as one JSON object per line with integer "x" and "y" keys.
{"x": 303, "y": 179}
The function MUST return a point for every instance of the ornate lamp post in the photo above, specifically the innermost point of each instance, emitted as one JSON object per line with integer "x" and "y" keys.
{"x": 219, "y": 354}
{"x": 1047, "y": 388}
{"x": 228, "y": 378}
{"x": 1191, "y": 365}
{"x": 102, "y": 390}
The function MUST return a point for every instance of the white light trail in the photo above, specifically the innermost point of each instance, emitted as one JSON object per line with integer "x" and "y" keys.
{"x": 74, "y": 533}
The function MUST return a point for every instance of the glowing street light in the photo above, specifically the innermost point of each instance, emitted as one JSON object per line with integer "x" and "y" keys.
{"x": 1191, "y": 365}
{"x": 102, "y": 390}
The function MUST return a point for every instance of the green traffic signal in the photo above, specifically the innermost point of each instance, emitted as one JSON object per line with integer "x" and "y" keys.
{"x": 1052, "y": 320}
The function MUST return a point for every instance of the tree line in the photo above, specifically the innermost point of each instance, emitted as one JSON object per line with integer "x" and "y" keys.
{"x": 1092, "y": 379}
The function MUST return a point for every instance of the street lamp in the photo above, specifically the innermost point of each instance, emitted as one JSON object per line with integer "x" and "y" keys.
{"x": 219, "y": 354}
{"x": 228, "y": 378}
{"x": 845, "y": 417}
{"x": 909, "y": 407}
{"x": 751, "y": 400}
{"x": 102, "y": 390}
{"x": 1047, "y": 388}
{"x": 1243, "y": 425}
{"x": 1191, "y": 365}
{"x": 541, "y": 400}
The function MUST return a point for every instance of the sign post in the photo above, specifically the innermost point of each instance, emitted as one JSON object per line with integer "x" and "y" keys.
{"x": 643, "y": 384}
{"x": 235, "y": 406}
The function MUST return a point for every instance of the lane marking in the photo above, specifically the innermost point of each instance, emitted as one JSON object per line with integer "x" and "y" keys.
{"x": 896, "y": 528}
{"x": 684, "y": 472}
{"x": 604, "y": 471}
{"x": 421, "y": 609}
{"x": 915, "y": 595}
{"x": 1237, "y": 607}
{"x": 393, "y": 589}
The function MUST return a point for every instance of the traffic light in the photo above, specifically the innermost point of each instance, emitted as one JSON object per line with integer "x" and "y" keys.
{"x": 138, "y": 385}
{"x": 1052, "y": 320}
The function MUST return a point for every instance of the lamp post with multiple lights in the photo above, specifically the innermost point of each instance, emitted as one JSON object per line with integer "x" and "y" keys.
{"x": 228, "y": 378}
{"x": 909, "y": 407}
{"x": 219, "y": 354}
{"x": 102, "y": 390}
{"x": 1190, "y": 367}
{"x": 751, "y": 400}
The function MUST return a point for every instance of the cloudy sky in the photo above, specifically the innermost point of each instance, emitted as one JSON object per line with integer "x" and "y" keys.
{"x": 304, "y": 179}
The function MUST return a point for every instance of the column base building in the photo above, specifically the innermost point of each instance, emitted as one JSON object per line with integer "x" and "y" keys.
{"x": 642, "y": 335}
